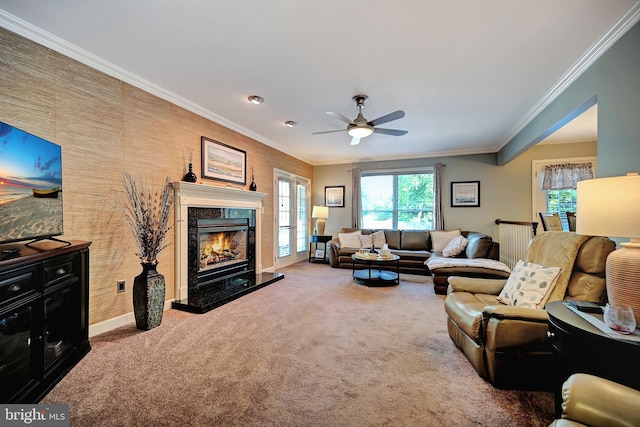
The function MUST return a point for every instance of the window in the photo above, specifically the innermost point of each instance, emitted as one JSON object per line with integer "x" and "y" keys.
{"x": 292, "y": 218}
{"x": 302, "y": 217}
{"x": 397, "y": 200}
{"x": 561, "y": 201}
{"x": 285, "y": 213}
{"x": 553, "y": 201}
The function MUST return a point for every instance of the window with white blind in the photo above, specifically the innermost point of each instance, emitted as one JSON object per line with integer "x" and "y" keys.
{"x": 292, "y": 218}
{"x": 552, "y": 201}
{"x": 302, "y": 203}
{"x": 285, "y": 217}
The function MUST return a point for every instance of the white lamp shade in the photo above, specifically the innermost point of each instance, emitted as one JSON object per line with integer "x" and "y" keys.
{"x": 609, "y": 207}
{"x": 320, "y": 212}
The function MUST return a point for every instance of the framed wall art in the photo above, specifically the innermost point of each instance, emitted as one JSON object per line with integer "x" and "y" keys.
{"x": 223, "y": 162}
{"x": 465, "y": 194}
{"x": 334, "y": 196}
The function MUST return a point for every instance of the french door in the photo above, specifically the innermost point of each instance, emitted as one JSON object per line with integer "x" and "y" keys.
{"x": 292, "y": 201}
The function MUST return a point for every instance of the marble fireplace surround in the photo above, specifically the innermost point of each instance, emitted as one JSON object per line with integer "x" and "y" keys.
{"x": 207, "y": 196}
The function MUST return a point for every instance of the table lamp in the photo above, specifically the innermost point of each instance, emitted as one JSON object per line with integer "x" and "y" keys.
{"x": 320, "y": 213}
{"x": 611, "y": 207}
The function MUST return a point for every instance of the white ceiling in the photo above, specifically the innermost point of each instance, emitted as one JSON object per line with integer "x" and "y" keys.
{"x": 469, "y": 74}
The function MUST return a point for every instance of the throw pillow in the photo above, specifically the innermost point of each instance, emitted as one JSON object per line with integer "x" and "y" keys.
{"x": 479, "y": 245}
{"x": 365, "y": 241}
{"x": 350, "y": 240}
{"x": 455, "y": 246}
{"x": 440, "y": 239}
{"x": 529, "y": 285}
{"x": 378, "y": 239}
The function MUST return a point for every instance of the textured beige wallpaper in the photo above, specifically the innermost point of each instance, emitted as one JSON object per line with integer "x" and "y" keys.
{"x": 106, "y": 127}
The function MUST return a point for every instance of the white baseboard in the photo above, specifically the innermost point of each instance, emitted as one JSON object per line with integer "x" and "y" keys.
{"x": 116, "y": 322}
{"x": 125, "y": 319}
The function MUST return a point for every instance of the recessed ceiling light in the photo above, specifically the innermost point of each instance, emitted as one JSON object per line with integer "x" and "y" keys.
{"x": 290, "y": 123}
{"x": 255, "y": 99}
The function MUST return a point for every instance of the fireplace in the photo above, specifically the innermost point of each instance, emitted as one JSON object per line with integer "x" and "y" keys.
{"x": 223, "y": 246}
{"x": 221, "y": 251}
{"x": 217, "y": 246}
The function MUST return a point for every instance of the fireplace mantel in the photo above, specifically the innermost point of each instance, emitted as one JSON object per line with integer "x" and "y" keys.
{"x": 216, "y": 196}
{"x": 207, "y": 196}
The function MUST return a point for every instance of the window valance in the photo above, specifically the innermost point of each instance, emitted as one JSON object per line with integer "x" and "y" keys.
{"x": 563, "y": 176}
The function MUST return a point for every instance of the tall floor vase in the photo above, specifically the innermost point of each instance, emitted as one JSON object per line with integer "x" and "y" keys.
{"x": 148, "y": 297}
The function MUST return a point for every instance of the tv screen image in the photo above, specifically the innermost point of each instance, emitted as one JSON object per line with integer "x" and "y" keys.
{"x": 30, "y": 186}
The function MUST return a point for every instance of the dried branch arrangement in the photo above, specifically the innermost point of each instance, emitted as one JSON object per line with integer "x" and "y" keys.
{"x": 146, "y": 213}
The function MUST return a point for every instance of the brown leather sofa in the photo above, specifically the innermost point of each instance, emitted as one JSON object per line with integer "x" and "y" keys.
{"x": 588, "y": 400}
{"x": 479, "y": 246}
{"x": 508, "y": 345}
{"x": 414, "y": 247}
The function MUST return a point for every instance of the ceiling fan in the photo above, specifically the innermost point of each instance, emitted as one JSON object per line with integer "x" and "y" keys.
{"x": 361, "y": 128}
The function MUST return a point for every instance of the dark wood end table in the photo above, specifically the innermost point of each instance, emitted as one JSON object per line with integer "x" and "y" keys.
{"x": 313, "y": 244}
{"x": 579, "y": 346}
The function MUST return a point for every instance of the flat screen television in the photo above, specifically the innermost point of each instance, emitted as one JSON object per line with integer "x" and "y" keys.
{"x": 30, "y": 186}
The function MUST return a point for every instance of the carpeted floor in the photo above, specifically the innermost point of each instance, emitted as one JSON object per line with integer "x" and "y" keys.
{"x": 313, "y": 349}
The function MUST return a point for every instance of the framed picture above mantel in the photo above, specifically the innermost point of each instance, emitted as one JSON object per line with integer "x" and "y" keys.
{"x": 223, "y": 162}
{"x": 465, "y": 194}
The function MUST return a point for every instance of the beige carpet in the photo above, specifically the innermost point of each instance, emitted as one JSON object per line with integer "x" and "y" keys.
{"x": 314, "y": 349}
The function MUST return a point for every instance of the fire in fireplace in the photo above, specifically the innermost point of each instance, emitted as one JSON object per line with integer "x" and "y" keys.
{"x": 222, "y": 244}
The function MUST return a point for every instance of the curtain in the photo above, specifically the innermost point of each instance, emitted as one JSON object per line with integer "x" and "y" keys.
{"x": 356, "y": 199}
{"x": 565, "y": 176}
{"x": 438, "y": 219}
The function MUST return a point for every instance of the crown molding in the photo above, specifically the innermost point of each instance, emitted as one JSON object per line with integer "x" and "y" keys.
{"x": 426, "y": 155}
{"x": 626, "y": 21}
{"x": 46, "y": 39}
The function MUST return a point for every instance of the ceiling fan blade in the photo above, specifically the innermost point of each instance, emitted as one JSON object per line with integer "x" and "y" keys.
{"x": 340, "y": 117}
{"x": 355, "y": 141}
{"x": 394, "y": 132}
{"x": 387, "y": 118}
{"x": 328, "y": 131}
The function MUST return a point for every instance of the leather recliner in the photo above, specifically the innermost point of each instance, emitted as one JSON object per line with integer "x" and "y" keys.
{"x": 588, "y": 400}
{"x": 508, "y": 345}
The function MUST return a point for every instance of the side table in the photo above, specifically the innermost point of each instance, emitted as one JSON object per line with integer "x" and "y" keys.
{"x": 579, "y": 346}
{"x": 313, "y": 244}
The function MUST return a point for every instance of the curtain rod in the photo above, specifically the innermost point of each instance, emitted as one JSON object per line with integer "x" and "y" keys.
{"x": 399, "y": 169}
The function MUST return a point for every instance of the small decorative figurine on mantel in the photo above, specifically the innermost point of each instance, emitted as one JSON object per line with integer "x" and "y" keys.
{"x": 252, "y": 186}
{"x": 190, "y": 176}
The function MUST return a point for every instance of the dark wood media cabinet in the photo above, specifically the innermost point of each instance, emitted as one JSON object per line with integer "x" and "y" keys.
{"x": 44, "y": 316}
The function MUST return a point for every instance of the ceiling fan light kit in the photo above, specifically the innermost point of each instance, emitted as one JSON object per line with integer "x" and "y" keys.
{"x": 290, "y": 123}
{"x": 360, "y": 127}
{"x": 360, "y": 131}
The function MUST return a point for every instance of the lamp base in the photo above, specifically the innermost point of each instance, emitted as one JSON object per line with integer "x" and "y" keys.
{"x": 320, "y": 223}
{"x": 623, "y": 277}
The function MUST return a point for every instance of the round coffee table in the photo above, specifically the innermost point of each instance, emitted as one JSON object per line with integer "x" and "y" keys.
{"x": 375, "y": 273}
